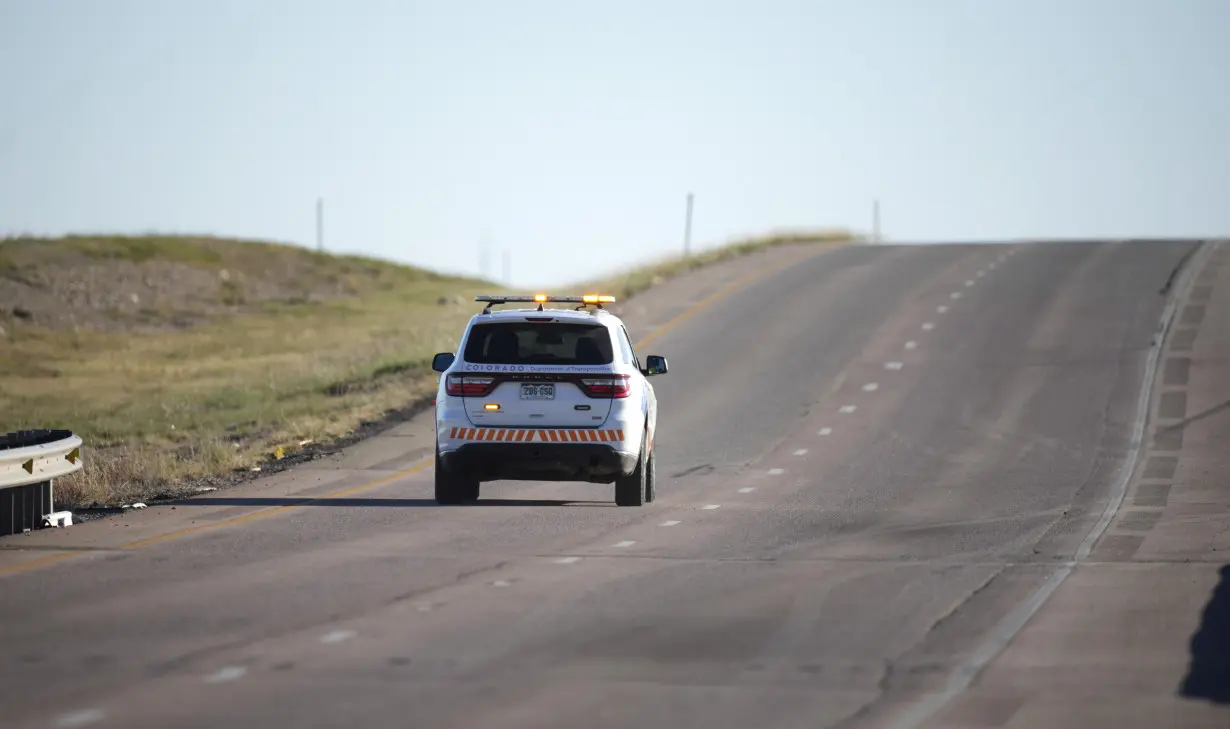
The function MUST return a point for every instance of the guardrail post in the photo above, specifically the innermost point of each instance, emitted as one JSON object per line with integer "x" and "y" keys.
{"x": 22, "y": 508}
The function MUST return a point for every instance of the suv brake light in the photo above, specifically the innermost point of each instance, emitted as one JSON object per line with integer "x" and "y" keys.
{"x": 615, "y": 386}
{"x": 469, "y": 385}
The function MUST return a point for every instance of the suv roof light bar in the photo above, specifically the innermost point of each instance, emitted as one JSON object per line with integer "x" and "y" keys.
{"x": 596, "y": 300}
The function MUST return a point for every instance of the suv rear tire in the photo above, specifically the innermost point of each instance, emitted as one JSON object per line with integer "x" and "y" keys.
{"x": 631, "y": 490}
{"x": 651, "y": 479}
{"x": 452, "y": 489}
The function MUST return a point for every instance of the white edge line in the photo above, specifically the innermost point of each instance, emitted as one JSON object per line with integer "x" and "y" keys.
{"x": 672, "y": 522}
{"x": 747, "y": 489}
{"x": 1012, "y": 623}
{"x": 81, "y": 717}
{"x": 337, "y": 636}
{"x": 227, "y": 674}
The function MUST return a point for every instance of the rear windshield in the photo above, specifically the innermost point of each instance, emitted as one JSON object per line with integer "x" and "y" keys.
{"x": 525, "y": 342}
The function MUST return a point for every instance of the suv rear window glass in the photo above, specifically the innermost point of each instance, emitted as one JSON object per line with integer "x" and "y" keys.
{"x": 526, "y": 342}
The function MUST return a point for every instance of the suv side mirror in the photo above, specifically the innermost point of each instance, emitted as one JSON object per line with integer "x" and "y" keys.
{"x": 655, "y": 365}
{"x": 442, "y": 361}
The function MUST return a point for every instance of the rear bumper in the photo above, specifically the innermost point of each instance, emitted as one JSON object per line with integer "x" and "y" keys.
{"x": 592, "y": 462}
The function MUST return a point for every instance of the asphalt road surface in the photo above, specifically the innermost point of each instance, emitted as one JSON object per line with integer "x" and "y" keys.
{"x": 955, "y": 486}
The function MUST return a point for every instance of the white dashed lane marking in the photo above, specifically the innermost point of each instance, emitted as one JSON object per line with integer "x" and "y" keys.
{"x": 711, "y": 507}
{"x": 911, "y": 344}
{"x": 776, "y": 471}
{"x": 83, "y": 717}
{"x": 566, "y": 560}
{"x": 826, "y": 431}
{"x": 870, "y": 387}
{"x": 673, "y": 522}
{"x": 981, "y": 274}
{"x": 969, "y": 282}
{"x": 955, "y": 294}
{"x": 747, "y": 489}
{"x": 893, "y": 365}
{"x": 337, "y": 636}
{"x": 941, "y": 308}
{"x": 227, "y": 674}
{"x": 847, "y": 409}
{"x": 928, "y": 326}
{"x": 801, "y": 452}
{"x": 625, "y": 543}
{"x": 501, "y": 583}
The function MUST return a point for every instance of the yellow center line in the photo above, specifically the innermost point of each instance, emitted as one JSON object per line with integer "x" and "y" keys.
{"x": 722, "y": 293}
{"x": 241, "y": 519}
{"x": 245, "y": 518}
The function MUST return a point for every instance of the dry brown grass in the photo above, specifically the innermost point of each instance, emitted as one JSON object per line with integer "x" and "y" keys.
{"x": 160, "y": 411}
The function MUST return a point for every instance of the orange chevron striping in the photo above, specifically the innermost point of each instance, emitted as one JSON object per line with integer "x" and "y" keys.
{"x": 523, "y": 435}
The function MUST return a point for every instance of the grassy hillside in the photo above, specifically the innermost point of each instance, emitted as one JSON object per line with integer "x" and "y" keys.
{"x": 180, "y": 360}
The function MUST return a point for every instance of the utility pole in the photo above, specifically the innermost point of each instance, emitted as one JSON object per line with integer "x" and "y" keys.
{"x": 875, "y": 221}
{"x": 484, "y": 255}
{"x": 507, "y": 268}
{"x": 320, "y": 225}
{"x": 687, "y": 228}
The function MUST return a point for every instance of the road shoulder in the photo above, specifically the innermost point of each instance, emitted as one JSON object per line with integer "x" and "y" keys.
{"x": 1138, "y": 634}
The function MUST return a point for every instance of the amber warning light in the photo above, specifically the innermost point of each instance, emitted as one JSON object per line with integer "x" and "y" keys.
{"x": 598, "y": 299}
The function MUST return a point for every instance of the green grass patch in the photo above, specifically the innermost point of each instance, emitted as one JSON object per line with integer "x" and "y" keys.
{"x": 157, "y": 410}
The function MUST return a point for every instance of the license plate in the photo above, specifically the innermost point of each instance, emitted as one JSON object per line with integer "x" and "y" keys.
{"x": 537, "y": 392}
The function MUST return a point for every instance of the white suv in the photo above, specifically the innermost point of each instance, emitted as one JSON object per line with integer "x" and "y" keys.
{"x": 546, "y": 394}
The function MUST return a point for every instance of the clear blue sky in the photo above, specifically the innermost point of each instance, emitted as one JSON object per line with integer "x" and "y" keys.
{"x": 569, "y": 132}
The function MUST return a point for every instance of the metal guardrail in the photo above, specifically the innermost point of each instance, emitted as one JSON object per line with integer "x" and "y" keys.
{"x": 30, "y": 460}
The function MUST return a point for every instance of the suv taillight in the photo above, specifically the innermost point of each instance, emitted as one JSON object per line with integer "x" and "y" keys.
{"x": 615, "y": 386}
{"x": 469, "y": 385}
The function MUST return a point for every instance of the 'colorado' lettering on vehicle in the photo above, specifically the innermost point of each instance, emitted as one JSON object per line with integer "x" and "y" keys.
{"x": 553, "y": 369}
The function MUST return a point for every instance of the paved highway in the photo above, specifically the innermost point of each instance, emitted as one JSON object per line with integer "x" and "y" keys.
{"x": 905, "y": 487}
